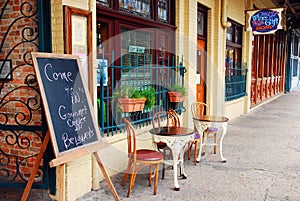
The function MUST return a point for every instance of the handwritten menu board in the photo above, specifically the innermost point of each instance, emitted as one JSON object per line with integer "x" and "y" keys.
{"x": 66, "y": 102}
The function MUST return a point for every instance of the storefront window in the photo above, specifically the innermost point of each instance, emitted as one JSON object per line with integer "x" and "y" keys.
{"x": 105, "y": 3}
{"x": 137, "y": 40}
{"x": 135, "y": 45}
{"x": 235, "y": 73}
{"x": 157, "y": 10}
{"x": 137, "y": 7}
{"x": 233, "y": 48}
{"x": 102, "y": 36}
{"x": 163, "y": 10}
{"x": 229, "y": 33}
{"x": 200, "y": 23}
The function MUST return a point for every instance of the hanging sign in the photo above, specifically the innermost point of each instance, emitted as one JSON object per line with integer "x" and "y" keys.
{"x": 266, "y": 21}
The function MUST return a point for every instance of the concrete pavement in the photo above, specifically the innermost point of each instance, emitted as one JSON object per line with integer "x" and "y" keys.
{"x": 262, "y": 149}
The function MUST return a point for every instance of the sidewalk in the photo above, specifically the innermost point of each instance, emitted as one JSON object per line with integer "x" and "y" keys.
{"x": 262, "y": 149}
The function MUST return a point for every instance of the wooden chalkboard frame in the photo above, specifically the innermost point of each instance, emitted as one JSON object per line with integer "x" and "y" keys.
{"x": 66, "y": 156}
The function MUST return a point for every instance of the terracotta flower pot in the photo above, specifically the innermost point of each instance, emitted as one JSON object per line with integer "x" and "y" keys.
{"x": 132, "y": 104}
{"x": 176, "y": 97}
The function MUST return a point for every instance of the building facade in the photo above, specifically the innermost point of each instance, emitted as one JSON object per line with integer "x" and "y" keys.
{"x": 218, "y": 61}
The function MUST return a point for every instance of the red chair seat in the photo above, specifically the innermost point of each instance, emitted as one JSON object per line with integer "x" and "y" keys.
{"x": 148, "y": 155}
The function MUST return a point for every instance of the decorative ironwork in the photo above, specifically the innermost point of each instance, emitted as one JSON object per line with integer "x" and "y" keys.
{"x": 235, "y": 83}
{"x": 21, "y": 127}
{"x": 151, "y": 74}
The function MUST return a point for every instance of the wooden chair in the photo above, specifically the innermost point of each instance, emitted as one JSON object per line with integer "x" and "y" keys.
{"x": 138, "y": 158}
{"x": 198, "y": 109}
{"x": 170, "y": 118}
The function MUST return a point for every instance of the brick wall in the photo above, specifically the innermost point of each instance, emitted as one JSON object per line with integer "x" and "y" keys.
{"x": 19, "y": 99}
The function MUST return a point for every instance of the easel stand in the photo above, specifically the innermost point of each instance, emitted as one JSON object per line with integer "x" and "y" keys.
{"x": 106, "y": 176}
{"x": 62, "y": 173}
{"x": 35, "y": 167}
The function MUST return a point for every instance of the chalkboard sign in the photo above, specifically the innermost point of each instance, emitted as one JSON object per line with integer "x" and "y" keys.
{"x": 67, "y": 104}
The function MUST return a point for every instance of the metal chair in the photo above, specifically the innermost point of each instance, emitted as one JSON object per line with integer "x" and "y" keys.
{"x": 138, "y": 158}
{"x": 171, "y": 119}
{"x": 198, "y": 109}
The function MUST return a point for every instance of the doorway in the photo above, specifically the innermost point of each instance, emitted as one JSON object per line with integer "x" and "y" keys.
{"x": 201, "y": 53}
{"x": 201, "y": 68}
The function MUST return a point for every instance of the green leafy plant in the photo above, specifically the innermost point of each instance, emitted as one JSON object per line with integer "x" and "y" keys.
{"x": 126, "y": 92}
{"x": 130, "y": 92}
{"x": 149, "y": 94}
{"x": 178, "y": 88}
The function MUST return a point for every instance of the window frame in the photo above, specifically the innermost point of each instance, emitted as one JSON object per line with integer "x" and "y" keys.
{"x": 113, "y": 5}
{"x": 235, "y": 72}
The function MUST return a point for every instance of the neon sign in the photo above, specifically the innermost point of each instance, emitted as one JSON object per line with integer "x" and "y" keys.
{"x": 264, "y": 21}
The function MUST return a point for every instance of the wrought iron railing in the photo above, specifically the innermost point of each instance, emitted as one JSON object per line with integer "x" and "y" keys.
{"x": 235, "y": 83}
{"x": 139, "y": 72}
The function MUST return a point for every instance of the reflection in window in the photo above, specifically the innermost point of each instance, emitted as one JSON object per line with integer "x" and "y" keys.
{"x": 104, "y": 2}
{"x": 102, "y": 36}
{"x": 163, "y": 10}
{"x": 137, "y": 55}
{"x": 135, "y": 47}
{"x": 229, "y": 33}
{"x": 200, "y": 23}
{"x": 238, "y": 35}
{"x": 137, "y": 7}
{"x": 229, "y": 62}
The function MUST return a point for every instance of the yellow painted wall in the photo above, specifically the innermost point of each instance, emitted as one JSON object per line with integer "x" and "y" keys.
{"x": 83, "y": 174}
{"x": 78, "y": 172}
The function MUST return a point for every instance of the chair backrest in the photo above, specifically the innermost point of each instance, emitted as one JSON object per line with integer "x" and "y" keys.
{"x": 171, "y": 118}
{"x": 198, "y": 109}
{"x": 175, "y": 120}
{"x": 131, "y": 139}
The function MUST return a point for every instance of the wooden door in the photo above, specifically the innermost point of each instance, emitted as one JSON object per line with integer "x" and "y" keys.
{"x": 201, "y": 67}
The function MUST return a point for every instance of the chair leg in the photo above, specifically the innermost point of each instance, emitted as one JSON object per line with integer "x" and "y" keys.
{"x": 195, "y": 152}
{"x": 215, "y": 142}
{"x": 189, "y": 150}
{"x": 150, "y": 175}
{"x": 133, "y": 175}
{"x": 203, "y": 142}
{"x": 164, "y": 166}
{"x": 127, "y": 172}
{"x": 156, "y": 178}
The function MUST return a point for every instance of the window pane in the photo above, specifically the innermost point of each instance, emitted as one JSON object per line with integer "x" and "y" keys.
{"x": 163, "y": 11}
{"x": 238, "y": 35}
{"x": 104, "y": 2}
{"x": 200, "y": 23}
{"x": 135, "y": 39}
{"x": 229, "y": 62}
{"x": 229, "y": 33}
{"x": 137, "y": 7}
{"x": 102, "y": 36}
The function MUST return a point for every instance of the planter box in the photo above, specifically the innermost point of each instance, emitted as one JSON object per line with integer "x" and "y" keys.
{"x": 131, "y": 104}
{"x": 175, "y": 97}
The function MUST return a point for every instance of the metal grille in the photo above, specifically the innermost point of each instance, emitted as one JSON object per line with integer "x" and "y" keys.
{"x": 235, "y": 83}
{"x": 160, "y": 77}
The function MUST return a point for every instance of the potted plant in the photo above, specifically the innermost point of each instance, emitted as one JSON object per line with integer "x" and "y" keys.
{"x": 133, "y": 99}
{"x": 149, "y": 94}
{"x": 177, "y": 93}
